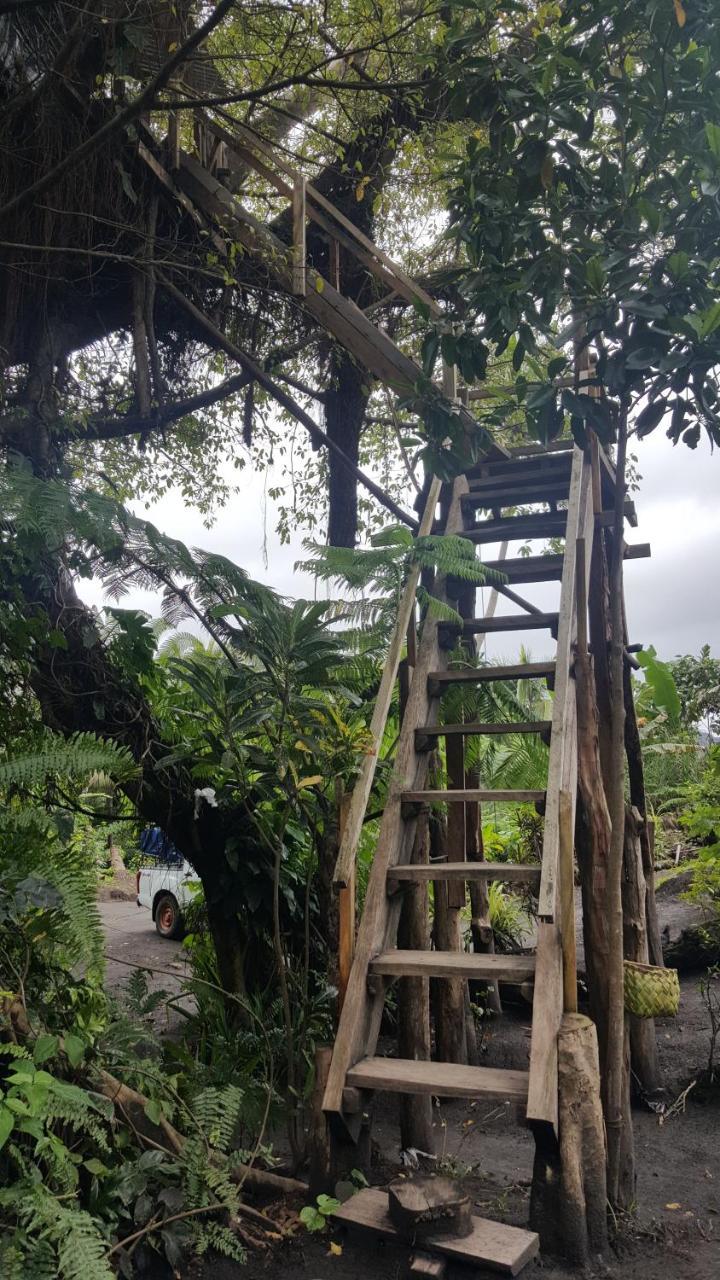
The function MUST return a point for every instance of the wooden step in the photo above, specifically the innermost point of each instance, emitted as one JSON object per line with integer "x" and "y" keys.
{"x": 544, "y": 524}
{"x": 426, "y": 734}
{"x": 558, "y": 462}
{"x": 492, "y": 1245}
{"x": 445, "y": 1079}
{"x": 453, "y": 964}
{"x": 538, "y": 568}
{"x": 440, "y": 680}
{"x": 506, "y": 872}
{"x": 499, "y": 495}
{"x": 448, "y": 632}
{"x": 412, "y": 800}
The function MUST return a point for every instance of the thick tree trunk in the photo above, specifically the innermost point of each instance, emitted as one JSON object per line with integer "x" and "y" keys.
{"x": 345, "y": 403}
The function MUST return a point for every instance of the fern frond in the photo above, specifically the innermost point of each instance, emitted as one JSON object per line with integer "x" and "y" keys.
{"x": 83, "y": 753}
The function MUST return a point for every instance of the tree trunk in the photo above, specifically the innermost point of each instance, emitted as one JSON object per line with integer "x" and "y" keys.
{"x": 416, "y": 1127}
{"x": 345, "y": 403}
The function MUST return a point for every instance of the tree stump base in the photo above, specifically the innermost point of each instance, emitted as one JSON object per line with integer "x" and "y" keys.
{"x": 423, "y": 1207}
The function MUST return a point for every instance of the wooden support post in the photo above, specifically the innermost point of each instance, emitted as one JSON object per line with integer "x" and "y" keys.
{"x": 636, "y": 780}
{"x": 346, "y": 915}
{"x": 481, "y": 928}
{"x": 583, "y": 1191}
{"x": 299, "y": 255}
{"x": 646, "y": 1077}
{"x": 320, "y": 1177}
{"x": 413, "y": 995}
{"x": 448, "y": 994}
{"x": 567, "y": 903}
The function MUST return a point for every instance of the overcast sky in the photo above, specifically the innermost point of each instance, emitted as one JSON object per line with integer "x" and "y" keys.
{"x": 673, "y": 599}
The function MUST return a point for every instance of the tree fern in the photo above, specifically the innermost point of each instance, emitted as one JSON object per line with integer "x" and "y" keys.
{"x": 78, "y": 756}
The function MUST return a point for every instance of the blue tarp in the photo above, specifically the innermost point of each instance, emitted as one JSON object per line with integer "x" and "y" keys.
{"x": 155, "y": 844}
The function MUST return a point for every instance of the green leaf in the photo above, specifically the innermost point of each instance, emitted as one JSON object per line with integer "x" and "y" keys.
{"x": 154, "y": 1111}
{"x": 712, "y": 133}
{"x": 649, "y": 418}
{"x": 74, "y": 1049}
{"x": 595, "y": 275}
{"x": 710, "y": 320}
{"x": 46, "y": 1046}
{"x": 7, "y": 1120}
{"x": 650, "y": 214}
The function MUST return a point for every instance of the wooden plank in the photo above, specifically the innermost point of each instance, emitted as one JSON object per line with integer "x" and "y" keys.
{"x": 564, "y": 691}
{"x": 550, "y": 568}
{"x": 504, "y": 622}
{"x": 542, "y": 1104}
{"x": 482, "y": 797}
{"x": 567, "y": 903}
{"x": 447, "y": 1079}
{"x": 453, "y": 964}
{"x": 360, "y": 1020}
{"x": 347, "y": 899}
{"x": 363, "y": 786}
{"x": 476, "y": 675}
{"x": 545, "y": 524}
{"x": 299, "y": 254}
{"x": 490, "y": 1244}
{"x": 474, "y": 729}
{"x": 455, "y": 890}
{"x": 511, "y": 873}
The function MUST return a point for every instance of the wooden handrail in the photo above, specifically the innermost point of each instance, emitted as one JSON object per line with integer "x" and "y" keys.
{"x": 361, "y": 793}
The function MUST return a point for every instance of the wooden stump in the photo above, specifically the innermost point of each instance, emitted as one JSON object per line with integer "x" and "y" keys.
{"x": 583, "y": 1190}
{"x": 426, "y": 1207}
{"x": 320, "y": 1174}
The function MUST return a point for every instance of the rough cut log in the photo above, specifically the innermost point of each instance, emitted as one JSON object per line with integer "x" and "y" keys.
{"x": 583, "y": 1190}
{"x": 482, "y": 934}
{"x": 416, "y": 1127}
{"x": 427, "y": 1206}
{"x": 643, "y": 1047}
{"x": 319, "y": 1136}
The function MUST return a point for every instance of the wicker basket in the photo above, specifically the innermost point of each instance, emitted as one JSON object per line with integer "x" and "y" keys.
{"x": 651, "y": 992}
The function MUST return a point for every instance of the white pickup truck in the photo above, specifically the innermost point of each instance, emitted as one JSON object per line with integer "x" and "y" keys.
{"x": 166, "y": 889}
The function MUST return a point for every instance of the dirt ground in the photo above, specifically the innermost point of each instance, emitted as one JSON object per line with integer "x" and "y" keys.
{"x": 674, "y": 1233}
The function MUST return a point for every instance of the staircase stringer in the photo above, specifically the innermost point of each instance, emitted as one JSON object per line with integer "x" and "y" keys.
{"x": 548, "y": 1001}
{"x": 359, "y": 1025}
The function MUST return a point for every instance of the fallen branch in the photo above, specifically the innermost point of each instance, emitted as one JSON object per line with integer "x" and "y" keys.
{"x": 165, "y": 1136}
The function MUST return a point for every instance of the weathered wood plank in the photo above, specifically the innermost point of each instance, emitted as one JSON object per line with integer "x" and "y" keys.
{"x": 363, "y": 786}
{"x": 454, "y": 964}
{"x": 490, "y": 1244}
{"x": 477, "y": 794}
{"x": 512, "y": 873}
{"x": 447, "y": 1079}
{"x": 476, "y": 675}
{"x": 299, "y": 254}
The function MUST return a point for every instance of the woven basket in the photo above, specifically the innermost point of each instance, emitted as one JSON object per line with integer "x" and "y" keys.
{"x": 651, "y": 992}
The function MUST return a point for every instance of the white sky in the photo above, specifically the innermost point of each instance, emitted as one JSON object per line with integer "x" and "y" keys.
{"x": 673, "y": 599}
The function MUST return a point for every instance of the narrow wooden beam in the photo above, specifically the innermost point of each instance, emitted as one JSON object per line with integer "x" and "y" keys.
{"x": 299, "y": 283}
{"x": 347, "y": 898}
{"x": 567, "y": 903}
{"x": 361, "y": 791}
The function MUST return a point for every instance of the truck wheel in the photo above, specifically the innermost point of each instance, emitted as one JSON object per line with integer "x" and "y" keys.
{"x": 168, "y": 920}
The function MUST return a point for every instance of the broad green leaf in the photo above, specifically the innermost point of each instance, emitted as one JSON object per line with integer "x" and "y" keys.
{"x": 46, "y": 1046}
{"x": 154, "y": 1111}
{"x": 712, "y": 133}
{"x": 7, "y": 1120}
{"x": 74, "y": 1049}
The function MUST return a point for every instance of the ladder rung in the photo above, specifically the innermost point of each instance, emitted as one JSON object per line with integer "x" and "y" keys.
{"x": 471, "y": 729}
{"x": 474, "y": 796}
{"x": 446, "y": 1079}
{"x": 502, "y": 622}
{"x": 507, "y": 872}
{"x": 508, "y": 494}
{"x": 546, "y": 524}
{"x": 453, "y": 964}
{"x": 543, "y": 568}
{"x": 544, "y": 463}
{"x": 438, "y": 680}
{"x": 512, "y": 474}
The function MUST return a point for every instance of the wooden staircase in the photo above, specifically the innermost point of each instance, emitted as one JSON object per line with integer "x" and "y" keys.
{"x": 568, "y": 491}
{"x": 521, "y": 495}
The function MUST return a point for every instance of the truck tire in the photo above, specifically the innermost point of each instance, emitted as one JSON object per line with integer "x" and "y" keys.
{"x": 168, "y": 918}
